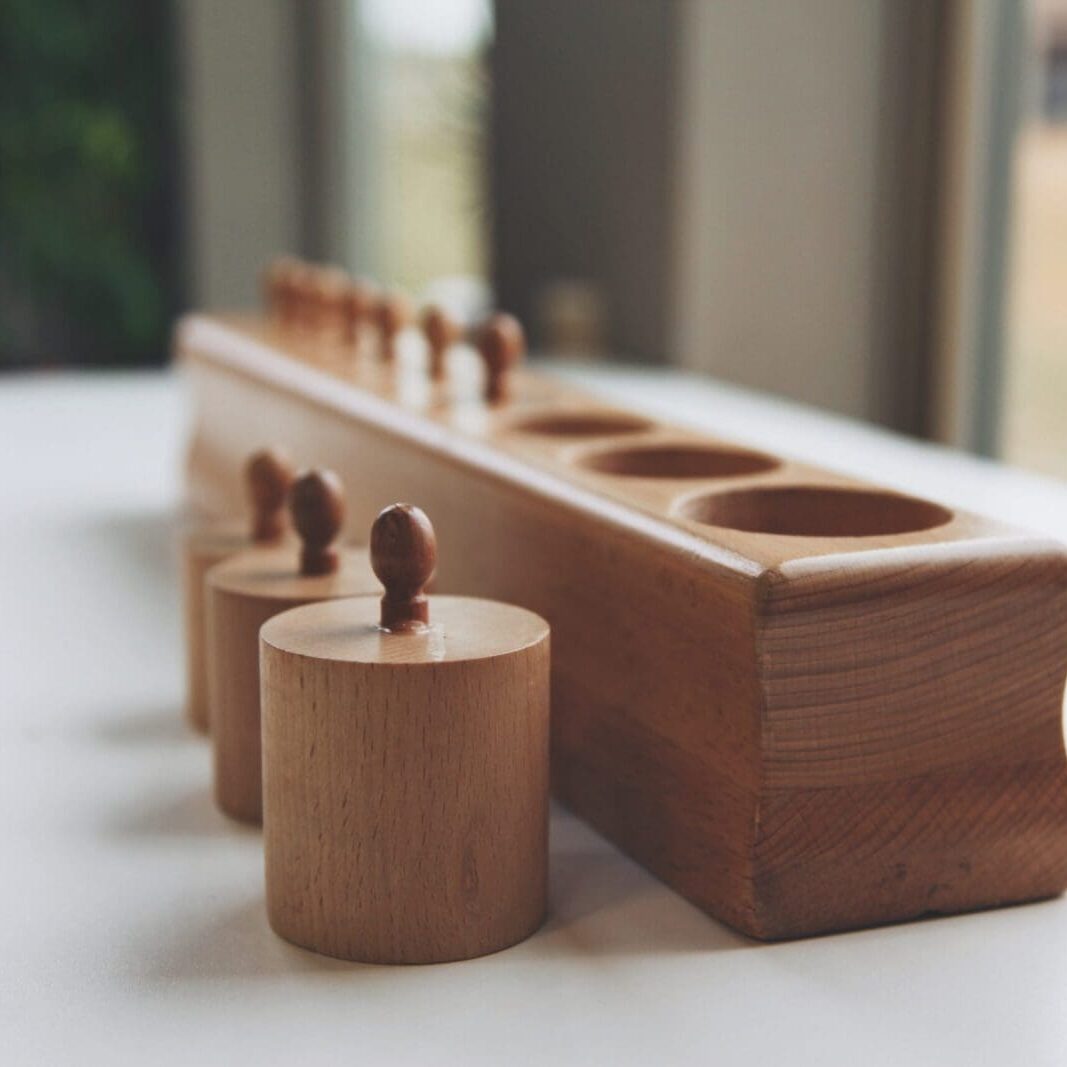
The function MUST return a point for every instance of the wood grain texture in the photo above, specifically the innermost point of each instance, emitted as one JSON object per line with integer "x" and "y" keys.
{"x": 718, "y": 663}
{"x": 912, "y": 734}
{"x": 242, "y": 593}
{"x": 406, "y": 780}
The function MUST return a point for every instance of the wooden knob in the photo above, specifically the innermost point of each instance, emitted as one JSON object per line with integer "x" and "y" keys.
{"x": 281, "y": 288}
{"x": 403, "y": 554}
{"x": 360, "y": 301}
{"x": 392, "y": 314}
{"x": 502, "y": 343}
{"x": 268, "y": 476}
{"x": 275, "y": 281}
{"x": 317, "y": 505}
{"x": 300, "y": 293}
{"x": 441, "y": 332}
{"x": 328, "y": 287}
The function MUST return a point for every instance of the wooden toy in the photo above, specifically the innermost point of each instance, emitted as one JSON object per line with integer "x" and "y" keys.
{"x": 405, "y": 746}
{"x": 242, "y": 593}
{"x": 330, "y": 290}
{"x": 359, "y": 302}
{"x": 806, "y": 703}
{"x": 441, "y": 332}
{"x": 502, "y": 343}
{"x": 392, "y": 314}
{"x": 267, "y": 474}
{"x": 278, "y": 289}
{"x": 287, "y": 284}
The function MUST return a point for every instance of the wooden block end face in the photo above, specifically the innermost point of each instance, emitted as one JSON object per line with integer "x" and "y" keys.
{"x": 913, "y": 737}
{"x": 406, "y": 810}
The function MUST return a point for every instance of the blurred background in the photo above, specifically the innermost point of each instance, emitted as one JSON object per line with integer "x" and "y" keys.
{"x": 859, "y": 204}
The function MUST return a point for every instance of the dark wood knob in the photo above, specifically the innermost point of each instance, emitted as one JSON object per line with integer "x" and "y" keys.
{"x": 268, "y": 476}
{"x": 392, "y": 314}
{"x": 317, "y": 505}
{"x": 403, "y": 553}
{"x": 300, "y": 293}
{"x": 281, "y": 288}
{"x": 275, "y": 276}
{"x": 502, "y": 343}
{"x": 326, "y": 297}
{"x": 441, "y": 332}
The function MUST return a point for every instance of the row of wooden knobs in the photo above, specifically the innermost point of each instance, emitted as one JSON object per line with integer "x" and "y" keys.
{"x": 328, "y": 303}
{"x": 394, "y": 745}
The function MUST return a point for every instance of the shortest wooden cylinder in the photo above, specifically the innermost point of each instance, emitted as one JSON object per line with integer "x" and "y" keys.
{"x": 242, "y": 593}
{"x": 202, "y": 547}
{"x": 406, "y": 780}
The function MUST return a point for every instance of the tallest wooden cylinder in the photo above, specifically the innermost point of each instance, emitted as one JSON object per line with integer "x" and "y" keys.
{"x": 405, "y": 780}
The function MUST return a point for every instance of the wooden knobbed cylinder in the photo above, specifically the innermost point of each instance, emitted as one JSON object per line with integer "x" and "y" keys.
{"x": 268, "y": 474}
{"x": 441, "y": 332}
{"x": 502, "y": 343}
{"x": 405, "y": 766}
{"x": 242, "y": 593}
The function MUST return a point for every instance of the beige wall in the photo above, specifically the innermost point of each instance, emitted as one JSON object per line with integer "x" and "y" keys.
{"x": 776, "y": 212}
{"x": 239, "y": 117}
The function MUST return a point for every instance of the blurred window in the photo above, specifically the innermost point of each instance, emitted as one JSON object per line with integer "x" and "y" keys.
{"x": 432, "y": 100}
{"x": 1034, "y": 430}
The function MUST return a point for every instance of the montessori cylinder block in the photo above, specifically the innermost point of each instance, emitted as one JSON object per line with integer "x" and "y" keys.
{"x": 405, "y": 769}
{"x": 242, "y": 593}
{"x": 805, "y": 702}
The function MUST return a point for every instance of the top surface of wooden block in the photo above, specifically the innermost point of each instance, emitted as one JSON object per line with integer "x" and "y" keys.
{"x": 713, "y": 500}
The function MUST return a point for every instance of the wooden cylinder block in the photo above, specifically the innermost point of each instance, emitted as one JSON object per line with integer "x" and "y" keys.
{"x": 267, "y": 475}
{"x": 242, "y": 594}
{"x": 202, "y": 548}
{"x": 406, "y": 779}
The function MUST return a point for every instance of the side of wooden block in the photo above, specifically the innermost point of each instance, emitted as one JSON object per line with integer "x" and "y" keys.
{"x": 913, "y": 753}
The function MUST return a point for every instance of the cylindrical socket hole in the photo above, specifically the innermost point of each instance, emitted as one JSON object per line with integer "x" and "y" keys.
{"x": 582, "y": 424}
{"x": 814, "y": 511}
{"x": 677, "y": 461}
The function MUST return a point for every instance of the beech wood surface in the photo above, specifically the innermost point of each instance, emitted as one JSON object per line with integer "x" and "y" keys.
{"x": 406, "y": 779}
{"x": 242, "y": 593}
{"x": 804, "y": 702}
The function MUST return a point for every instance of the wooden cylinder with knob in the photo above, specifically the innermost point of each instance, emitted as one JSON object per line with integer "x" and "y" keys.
{"x": 244, "y": 592}
{"x": 405, "y": 752}
{"x": 502, "y": 344}
{"x": 441, "y": 332}
{"x": 392, "y": 314}
{"x": 268, "y": 474}
{"x": 327, "y": 294}
{"x": 277, "y": 289}
{"x": 295, "y": 291}
{"x": 358, "y": 306}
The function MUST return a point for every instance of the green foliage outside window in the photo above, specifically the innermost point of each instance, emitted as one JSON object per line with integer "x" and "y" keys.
{"x": 86, "y": 172}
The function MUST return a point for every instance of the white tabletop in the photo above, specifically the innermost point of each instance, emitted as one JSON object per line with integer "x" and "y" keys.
{"x": 134, "y": 929}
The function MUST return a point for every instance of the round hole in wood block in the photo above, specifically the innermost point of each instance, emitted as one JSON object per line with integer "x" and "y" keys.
{"x": 677, "y": 461}
{"x": 814, "y": 511}
{"x": 582, "y": 424}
